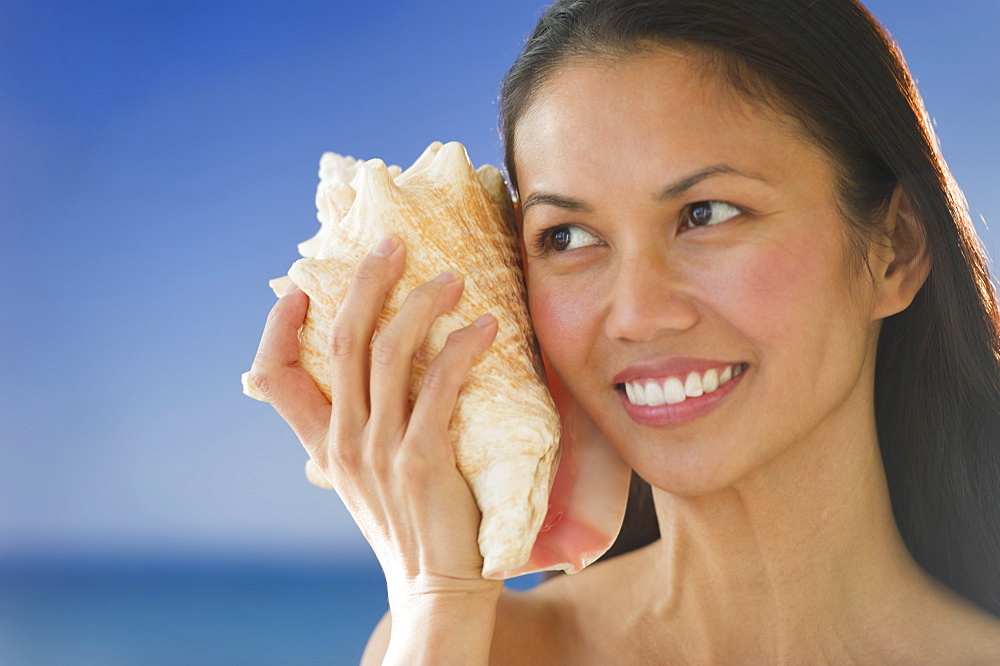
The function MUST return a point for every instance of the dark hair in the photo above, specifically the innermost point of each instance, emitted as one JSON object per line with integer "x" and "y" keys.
{"x": 829, "y": 64}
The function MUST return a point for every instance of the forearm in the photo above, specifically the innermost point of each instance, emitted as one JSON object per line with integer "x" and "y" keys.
{"x": 456, "y": 630}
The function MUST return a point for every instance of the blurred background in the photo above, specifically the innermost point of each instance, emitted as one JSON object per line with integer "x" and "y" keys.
{"x": 157, "y": 166}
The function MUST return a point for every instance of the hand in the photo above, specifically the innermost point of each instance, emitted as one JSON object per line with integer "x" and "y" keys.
{"x": 393, "y": 466}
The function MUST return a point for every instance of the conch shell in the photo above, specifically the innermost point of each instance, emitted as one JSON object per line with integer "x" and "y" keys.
{"x": 505, "y": 428}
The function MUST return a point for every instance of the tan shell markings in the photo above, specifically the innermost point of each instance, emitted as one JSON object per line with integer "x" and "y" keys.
{"x": 505, "y": 428}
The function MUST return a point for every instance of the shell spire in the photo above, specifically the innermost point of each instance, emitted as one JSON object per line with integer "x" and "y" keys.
{"x": 333, "y": 203}
{"x": 452, "y": 164}
{"x": 493, "y": 182}
{"x": 376, "y": 197}
{"x": 425, "y": 159}
{"x": 374, "y": 180}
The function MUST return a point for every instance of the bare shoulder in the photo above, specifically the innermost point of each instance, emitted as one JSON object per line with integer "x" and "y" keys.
{"x": 531, "y": 628}
{"x": 970, "y": 631}
{"x": 940, "y": 626}
{"x": 378, "y": 642}
{"x": 986, "y": 642}
{"x": 569, "y": 619}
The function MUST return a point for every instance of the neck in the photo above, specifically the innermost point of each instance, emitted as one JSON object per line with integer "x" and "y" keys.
{"x": 797, "y": 560}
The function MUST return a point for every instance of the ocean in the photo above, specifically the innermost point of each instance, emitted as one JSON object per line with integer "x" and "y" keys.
{"x": 151, "y": 612}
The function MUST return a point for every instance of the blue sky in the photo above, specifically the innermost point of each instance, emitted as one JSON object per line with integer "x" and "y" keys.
{"x": 157, "y": 166}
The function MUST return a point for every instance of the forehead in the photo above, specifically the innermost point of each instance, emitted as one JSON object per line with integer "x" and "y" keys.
{"x": 669, "y": 110}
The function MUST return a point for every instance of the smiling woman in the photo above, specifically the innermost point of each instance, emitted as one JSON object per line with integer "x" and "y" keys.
{"x": 750, "y": 272}
{"x": 649, "y": 295}
{"x": 713, "y": 185}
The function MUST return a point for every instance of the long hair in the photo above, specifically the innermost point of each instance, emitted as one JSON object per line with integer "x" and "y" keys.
{"x": 937, "y": 378}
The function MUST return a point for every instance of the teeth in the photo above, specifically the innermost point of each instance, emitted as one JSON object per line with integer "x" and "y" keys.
{"x": 673, "y": 391}
{"x": 640, "y": 395}
{"x": 692, "y": 385}
{"x": 711, "y": 381}
{"x": 654, "y": 394}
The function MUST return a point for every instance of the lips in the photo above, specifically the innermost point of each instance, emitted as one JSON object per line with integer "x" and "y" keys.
{"x": 676, "y": 390}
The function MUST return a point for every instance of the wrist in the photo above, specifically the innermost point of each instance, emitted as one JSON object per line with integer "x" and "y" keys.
{"x": 443, "y": 627}
{"x": 426, "y": 593}
{"x": 428, "y": 610}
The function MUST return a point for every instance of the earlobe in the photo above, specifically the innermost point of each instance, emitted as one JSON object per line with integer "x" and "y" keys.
{"x": 905, "y": 267}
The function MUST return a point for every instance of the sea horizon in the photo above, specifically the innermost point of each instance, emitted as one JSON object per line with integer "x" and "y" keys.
{"x": 144, "y": 609}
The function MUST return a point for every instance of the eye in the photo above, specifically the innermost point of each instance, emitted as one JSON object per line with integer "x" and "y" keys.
{"x": 707, "y": 213}
{"x": 562, "y": 238}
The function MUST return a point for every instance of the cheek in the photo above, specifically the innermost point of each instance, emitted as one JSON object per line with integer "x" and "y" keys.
{"x": 790, "y": 299}
{"x": 561, "y": 320}
{"x": 778, "y": 289}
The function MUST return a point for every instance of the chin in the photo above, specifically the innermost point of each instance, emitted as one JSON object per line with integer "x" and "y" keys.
{"x": 689, "y": 468}
{"x": 696, "y": 484}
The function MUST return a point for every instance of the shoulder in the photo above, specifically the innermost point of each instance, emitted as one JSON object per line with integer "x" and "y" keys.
{"x": 531, "y": 628}
{"x": 378, "y": 642}
{"x": 576, "y": 619}
{"x": 932, "y": 623}
{"x": 963, "y": 628}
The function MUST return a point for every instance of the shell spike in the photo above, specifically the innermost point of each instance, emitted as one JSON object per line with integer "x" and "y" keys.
{"x": 374, "y": 182}
{"x": 334, "y": 202}
{"x": 452, "y": 163}
{"x": 310, "y": 248}
{"x": 377, "y": 196}
{"x": 324, "y": 212}
{"x": 493, "y": 182}
{"x": 340, "y": 198}
{"x": 331, "y": 164}
{"x": 424, "y": 160}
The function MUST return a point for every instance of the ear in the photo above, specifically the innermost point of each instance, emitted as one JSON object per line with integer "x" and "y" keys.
{"x": 901, "y": 266}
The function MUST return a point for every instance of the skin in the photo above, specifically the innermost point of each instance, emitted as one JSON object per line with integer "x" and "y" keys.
{"x": 779, "y": 544}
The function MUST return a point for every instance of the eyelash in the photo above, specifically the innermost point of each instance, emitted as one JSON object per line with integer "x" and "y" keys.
{"x": 543, "y": 242}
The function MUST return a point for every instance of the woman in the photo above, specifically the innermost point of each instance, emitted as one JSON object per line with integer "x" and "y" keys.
{"x": 711, "y": 190}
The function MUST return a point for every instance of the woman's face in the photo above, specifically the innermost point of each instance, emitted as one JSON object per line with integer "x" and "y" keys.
{"x": 689, "y": 277}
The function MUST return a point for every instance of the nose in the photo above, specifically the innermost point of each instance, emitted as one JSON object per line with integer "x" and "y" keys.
{"x": 648, "y": 299}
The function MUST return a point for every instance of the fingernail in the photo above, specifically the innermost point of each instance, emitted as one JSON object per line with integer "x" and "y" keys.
{"x": 289, "y": 288}
{"x": 385, "y": 247}
{"x": 484, "y": 321}
{"x": 447, "y": 277}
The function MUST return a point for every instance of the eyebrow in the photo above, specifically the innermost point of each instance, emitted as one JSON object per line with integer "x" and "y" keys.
{"x": 671, "y": 191}
{"x": 538, "y": 198}
{"x": 680, "y": 187}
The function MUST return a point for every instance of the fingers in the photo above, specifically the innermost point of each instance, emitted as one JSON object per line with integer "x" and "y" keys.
{"x": 396, "y": 345}
{"x": 276, "y": 373}
{"x": 352, "y": 330}
{"x": 443, "y": 379}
